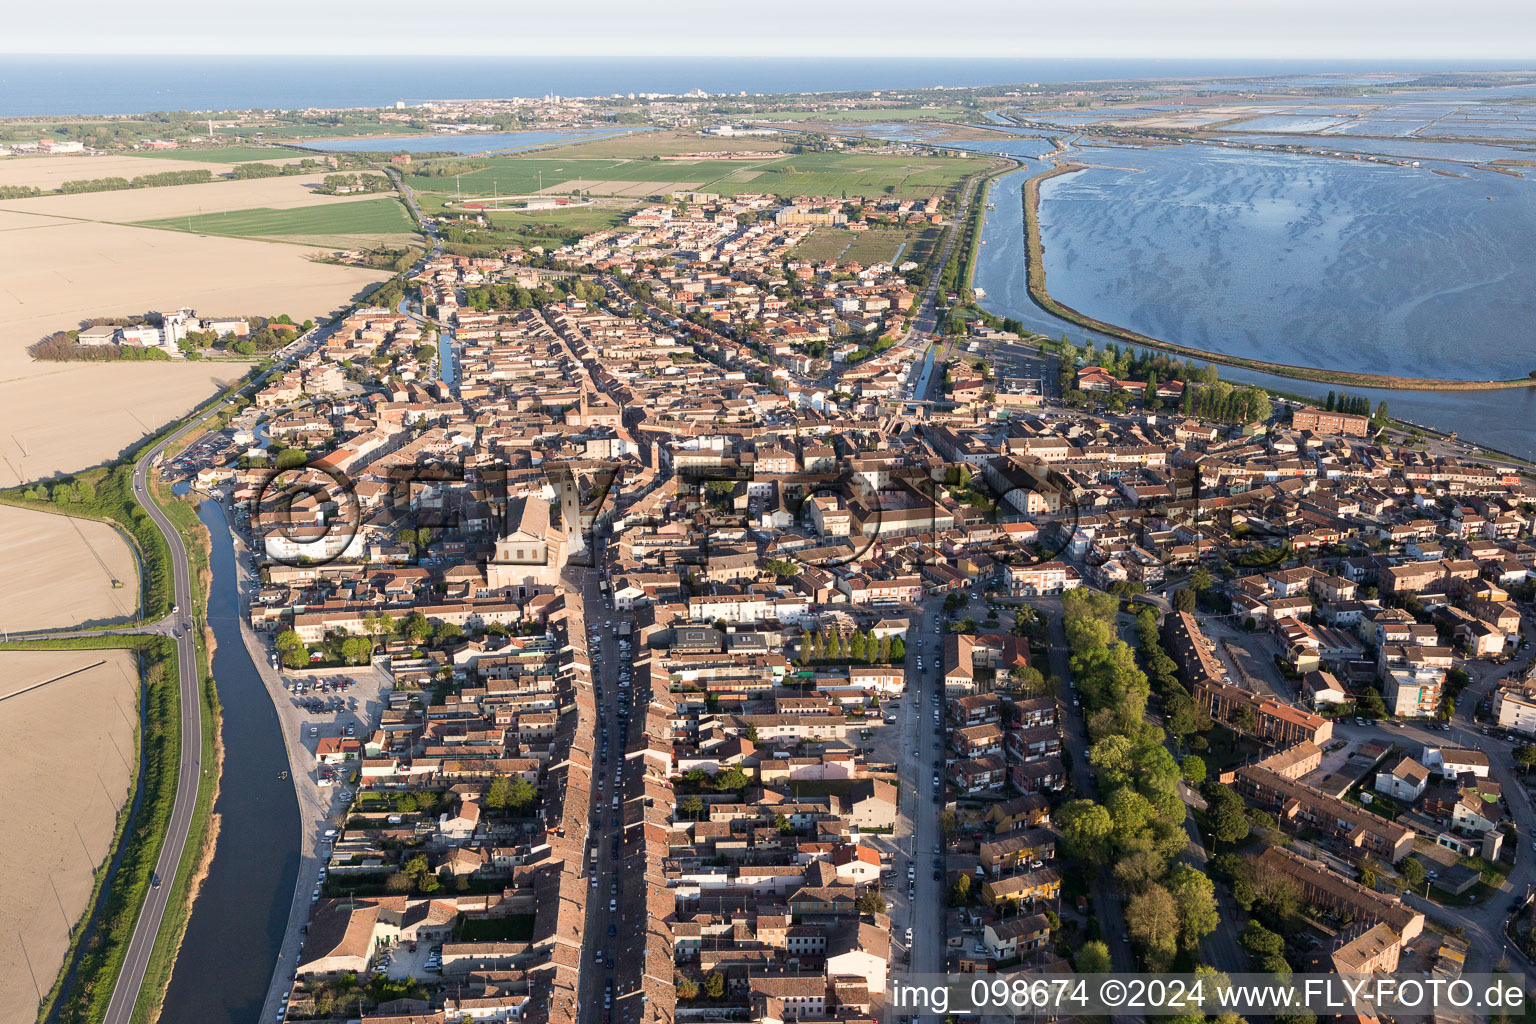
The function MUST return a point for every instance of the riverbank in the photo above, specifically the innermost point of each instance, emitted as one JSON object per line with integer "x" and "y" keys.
{"x": 203, "y": 834}
{"x": 1041, "y": 296}
{"x": 99, "y": 942}
{"x": 971, "y": 229}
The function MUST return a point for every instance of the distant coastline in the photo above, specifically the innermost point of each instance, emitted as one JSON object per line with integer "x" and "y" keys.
{"x": 55, "y": 85}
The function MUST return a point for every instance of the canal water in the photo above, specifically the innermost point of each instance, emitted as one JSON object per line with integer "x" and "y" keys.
{"x": 231, "y": 946}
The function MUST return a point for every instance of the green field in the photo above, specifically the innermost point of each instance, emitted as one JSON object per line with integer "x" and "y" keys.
{"x": 639, "y": 145}
{"x": 222, "y": 155}
{"x": 364, "y": 217}
{"x": 830, "y": 174}
{"x": 875, "y": 245}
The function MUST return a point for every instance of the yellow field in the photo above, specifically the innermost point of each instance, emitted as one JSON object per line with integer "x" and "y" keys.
{"x": 67, "y": 782}
{"x": 136, "y": 204}
{"x": 58, "y": 571}
{"x": 56, "y": 272}
{"x": 47, "y": 172}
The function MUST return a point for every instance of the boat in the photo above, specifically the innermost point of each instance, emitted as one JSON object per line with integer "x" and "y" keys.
{"x": 282, "y": 775}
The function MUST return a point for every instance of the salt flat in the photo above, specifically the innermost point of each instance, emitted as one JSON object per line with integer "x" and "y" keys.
{"x": 66, "y": 783}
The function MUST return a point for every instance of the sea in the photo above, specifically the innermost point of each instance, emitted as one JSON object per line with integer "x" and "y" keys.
{"x": 59, "y": 84}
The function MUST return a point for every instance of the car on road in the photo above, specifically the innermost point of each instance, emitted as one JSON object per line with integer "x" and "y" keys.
{"x": 154, "y": 880}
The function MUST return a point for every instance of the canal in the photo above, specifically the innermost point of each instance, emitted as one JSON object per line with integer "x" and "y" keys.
{"x": 227, "y": 957}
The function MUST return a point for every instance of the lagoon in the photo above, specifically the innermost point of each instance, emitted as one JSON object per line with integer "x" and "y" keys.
{"x": 1296, "y": 259}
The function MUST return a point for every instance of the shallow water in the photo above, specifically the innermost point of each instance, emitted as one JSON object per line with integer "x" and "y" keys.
{"x": 1501, "y": 419}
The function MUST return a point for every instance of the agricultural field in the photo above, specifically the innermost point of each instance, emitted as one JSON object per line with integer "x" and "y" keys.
{"x": 876, "y": 245}
{"x": 559, "y": 227}
{"x": 59, "y": 572}
{"x": 61, "y": 811}
{"x": 49, "y": 172}
{"x": 131, "y": 206}
{"x": 643, "y": 145}
{"x": 228, "y": 154}
{"x": 835, "y": 174}
{"x": 338, "y": 224}
{"x": 924, "y": 244}
{"x": 56, "y": 272}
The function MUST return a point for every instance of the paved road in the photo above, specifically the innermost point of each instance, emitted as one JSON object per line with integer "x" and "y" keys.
{"x": 130, "y": 980}
{"x": 620, "y": 877}
{"x": 126, "y": 992}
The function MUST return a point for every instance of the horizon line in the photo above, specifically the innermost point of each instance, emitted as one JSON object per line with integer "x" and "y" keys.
{"x": 738, "y": 54}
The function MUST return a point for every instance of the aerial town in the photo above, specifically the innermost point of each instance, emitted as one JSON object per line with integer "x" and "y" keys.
{"x": 747, "y": 642}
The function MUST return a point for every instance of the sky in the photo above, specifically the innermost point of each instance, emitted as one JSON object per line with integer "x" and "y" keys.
{"x": 1324, "y": 29}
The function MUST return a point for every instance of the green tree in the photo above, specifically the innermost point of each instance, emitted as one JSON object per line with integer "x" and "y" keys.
{"x": 420, "y": 874}
{"x": 871, "y": 902}
{"x": 856, "y": 647}
{"x": 1412, "y": 871}
{"x": 898, "y": 650}
{"x": 1093, "y": 958}
{"x": 1370, "y": 704}
{"x": 730, "y": 779}
{"x": 687, "y": 990}
{"x": 1195, "y": 897}
{"x": 692, "y": 806}
{"x": 1192, "y": 768}
{"x": 714, "y": 985}
{"x": 1263, "y": 944}
{"x": 416, "y": 628}
{"x": 1224, "y": 814}
{"x": 1152, "y": 917}
{"x": 357, "y": 650}
{"x": 1086, "y": 828}
{"x": 1201, "y": 579}
{"x": 960, "y": 892}
{"x": 1525, "y": 756}
{"x": 524, "y": 794}
{"x": 500, "y": 793}
{"x": 293, "y": 651}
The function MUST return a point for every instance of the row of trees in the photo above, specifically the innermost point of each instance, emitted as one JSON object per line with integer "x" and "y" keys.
{"x": 183, "y": 177}
{"x": 62, "y": 347}
{"x": 1138, "y": 825}
{"x": 829, "y": 645}
{"x": 1223, "y": 403}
